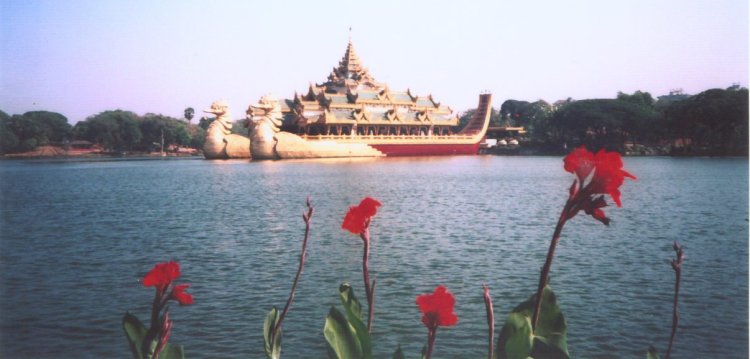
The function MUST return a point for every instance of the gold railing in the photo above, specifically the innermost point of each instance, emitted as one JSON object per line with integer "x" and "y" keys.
{"x": 387, "y": 137}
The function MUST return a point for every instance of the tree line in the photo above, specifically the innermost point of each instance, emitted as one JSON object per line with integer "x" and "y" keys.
{"x": 114, "y": 131}
{"x": 713, "y": 122}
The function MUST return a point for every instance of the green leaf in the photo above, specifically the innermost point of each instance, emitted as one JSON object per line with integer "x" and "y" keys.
{"x": 172, "y": 352}
{"x": 341, "y": 337}
{"x": 652, "y": 353}
{"x": 135, "y": 331}
{"x": 551, "y": 328}
{"x": 354, "y": 317}
{"x": 516, "y": 339}
{"x": 350, "y": 302}
{"x": 550, "y": 337}
{"x": 399, "y": 354}
{"x": 272, "y": 344}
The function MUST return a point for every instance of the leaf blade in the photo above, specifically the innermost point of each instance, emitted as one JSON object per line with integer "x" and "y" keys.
{"x": 135, "y": 331}
{"x": 272, "y": 344}
{"x": 342, "y": 339}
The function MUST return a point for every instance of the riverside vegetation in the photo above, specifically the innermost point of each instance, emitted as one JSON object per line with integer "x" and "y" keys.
{"x": 535, "y": 328}
{"x": 713, "y": 122}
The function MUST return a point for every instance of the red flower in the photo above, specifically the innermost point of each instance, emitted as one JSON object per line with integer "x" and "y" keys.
{"x": 178, "y": 294}
{"x": 607, "y": 167}
{"x": 162, "y": 275}
{"x": 609, "y": 175}
{"x": 437, "y": 308}
{"x": 580, "y": 162}
{"x": 358, "y": 217}
{"x": 593, "y": 207}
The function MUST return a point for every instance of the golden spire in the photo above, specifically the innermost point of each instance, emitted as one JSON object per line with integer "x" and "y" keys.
{"x": 349, "y": 74}
{"x": 350, "y": 66}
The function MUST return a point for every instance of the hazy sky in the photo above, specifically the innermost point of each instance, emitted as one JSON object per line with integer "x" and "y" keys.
{"x": 83, "y": 57}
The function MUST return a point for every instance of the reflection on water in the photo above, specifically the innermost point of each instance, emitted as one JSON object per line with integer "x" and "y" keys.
{"x": 77, "y": 237}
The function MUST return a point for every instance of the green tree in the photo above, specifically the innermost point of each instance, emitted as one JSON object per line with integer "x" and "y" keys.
{"x": 599, "y": 123}
{"x": 189, "y": 113}
{"x": 116, "y": 130}
{"x": 637, "y": 98}
{"x": 512, "y": 112}
{"x": 642, "y": 122}
{"x": 204, "y": 122}
{"x": 714, "y": 120}
{"x": 197, "y": 136}
{"x": 8, "y": 140}
{"x": 53, "y": 127}
{"x": 155, "y": 126}
{"x": 152, "y": 127}
{"x": 534, "y": 116}
{"x": 26, "y": 132}
{"x": 81, "y": 129}
{"x": 466, "y": 117}
{"x": 663, "y": 102}
{"x": 176, "y": 133}
{"x": 538, "y": 123}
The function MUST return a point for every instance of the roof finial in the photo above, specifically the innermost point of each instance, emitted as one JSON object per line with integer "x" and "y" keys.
{"x": 350, "y": 34}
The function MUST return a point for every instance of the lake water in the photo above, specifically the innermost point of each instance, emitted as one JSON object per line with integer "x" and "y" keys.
{"x": 78, "y": 236}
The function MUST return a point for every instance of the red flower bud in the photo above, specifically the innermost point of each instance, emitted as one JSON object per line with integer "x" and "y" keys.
{"x": 166, "y": 330}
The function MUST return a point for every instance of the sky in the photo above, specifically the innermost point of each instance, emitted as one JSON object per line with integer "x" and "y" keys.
{"x": 80, "y": 57}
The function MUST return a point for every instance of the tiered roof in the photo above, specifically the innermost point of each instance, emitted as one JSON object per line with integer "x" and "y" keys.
{"x": 351, "y": 95}
{"x": 350, "y": 74}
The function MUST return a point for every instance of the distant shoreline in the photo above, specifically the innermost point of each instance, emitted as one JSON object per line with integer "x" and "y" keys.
{"x": 55, "y": 153}
{"x": 147, "y": 157}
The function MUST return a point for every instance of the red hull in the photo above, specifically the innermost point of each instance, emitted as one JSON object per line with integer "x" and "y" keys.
{"x": 427, "y": 149}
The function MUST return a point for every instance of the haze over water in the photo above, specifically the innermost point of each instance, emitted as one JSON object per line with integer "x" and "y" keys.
{"x": 76, "y": 238}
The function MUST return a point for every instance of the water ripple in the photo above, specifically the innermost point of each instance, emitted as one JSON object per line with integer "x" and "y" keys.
{"x": 77, "y": 237}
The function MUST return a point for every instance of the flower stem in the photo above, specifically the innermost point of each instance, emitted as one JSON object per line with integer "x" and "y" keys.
{"x": 166, "y": 330}
{"x": 156, "y": 306}
{"x": 306, "y": 216}
{"x": 548, "y": 262}
{"x": 431, "y": 334}
{"x": 365, "y": 235}
{"x": 155, "y": 324}
{"x": 490, "y": 320}
{"x": 677, "y": 266}
{"x": 371, "y": 306}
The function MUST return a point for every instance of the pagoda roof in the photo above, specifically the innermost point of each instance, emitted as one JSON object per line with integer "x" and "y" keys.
{"x": 424, "y": 102}
{"x": 286, "y": 105}
{"x": 343, "y": 114}
{"x": 352, "y": 95}
{"x": 351, "y": 66}
{"x": 367, "y": 95}
{"x": 337, "y": 99}
{"x": 401, "y": 97}
{"x": 349, "y": 74}
{"x": 379, "y": 116}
